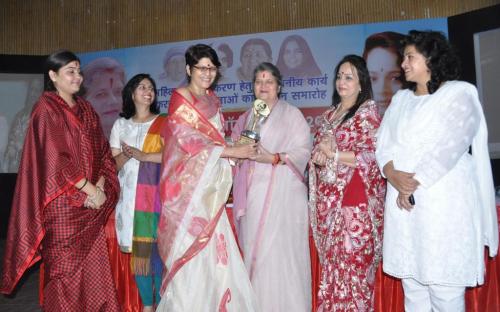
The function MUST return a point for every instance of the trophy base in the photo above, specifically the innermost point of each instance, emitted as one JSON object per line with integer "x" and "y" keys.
{"x": 248, "y": 137}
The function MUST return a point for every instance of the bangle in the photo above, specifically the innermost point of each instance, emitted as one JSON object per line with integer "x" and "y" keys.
{"x": 84, "y": 183}
{"x": 276, "y": 159}
{"x": 328, "y": 173}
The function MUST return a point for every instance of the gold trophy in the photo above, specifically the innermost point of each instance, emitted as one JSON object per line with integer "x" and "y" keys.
{"x": 258, "y": 117}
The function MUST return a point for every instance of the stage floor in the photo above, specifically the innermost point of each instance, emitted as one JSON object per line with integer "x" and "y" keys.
{"x": 26, "y": 297}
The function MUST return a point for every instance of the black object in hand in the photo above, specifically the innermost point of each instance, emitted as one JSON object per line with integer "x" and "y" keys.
{"x": 411, "y": 199}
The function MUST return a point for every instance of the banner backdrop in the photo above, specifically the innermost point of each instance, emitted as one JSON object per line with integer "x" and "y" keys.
{"x": 18, "y": 94}
{"x": 305, "y": 57}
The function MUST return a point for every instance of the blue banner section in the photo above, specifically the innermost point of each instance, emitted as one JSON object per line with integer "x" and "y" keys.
{"x": 305, "y": 57}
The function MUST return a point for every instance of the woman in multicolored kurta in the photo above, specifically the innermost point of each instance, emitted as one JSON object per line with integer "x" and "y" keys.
{"x": 136, "y": 146}
{"x": 347, "y": 193}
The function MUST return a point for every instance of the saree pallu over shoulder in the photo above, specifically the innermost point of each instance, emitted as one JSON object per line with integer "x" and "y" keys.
{"x": 184, "y": 112}
{"x": 62, "y": 146}
{"x": 41, "y": 178}
{"x": 270, "y": 205}
{"x": 357, "y": 135}
{"x": 347, "y": 213}
{"x": 148, "y": 206}
{"x": 190, "y": 140}
{"x": 295, "y": 150}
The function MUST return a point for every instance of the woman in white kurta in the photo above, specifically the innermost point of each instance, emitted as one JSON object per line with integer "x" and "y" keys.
{"x": 270, "y": 202}
{"x": 130, "y": 132}
{"x": 436, "y": 244}
{"x": 140, "y": 113}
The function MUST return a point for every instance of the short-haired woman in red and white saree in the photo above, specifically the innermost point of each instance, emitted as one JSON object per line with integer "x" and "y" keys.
{"x": 66, "y": 189}
{"x": 204, "y": 270}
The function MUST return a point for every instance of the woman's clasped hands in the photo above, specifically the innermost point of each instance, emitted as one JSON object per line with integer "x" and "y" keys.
{"x": 96, "y": 200}
{"x": 324, "y": 150}
{"x": 403, "y": 182}
{"x": 132, "y": 152}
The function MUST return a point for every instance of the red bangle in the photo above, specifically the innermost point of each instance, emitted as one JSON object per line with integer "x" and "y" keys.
{"x": 276, "y": 159}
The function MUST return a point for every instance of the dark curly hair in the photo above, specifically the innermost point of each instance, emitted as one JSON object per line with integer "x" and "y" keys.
{"x": 364, "y": 81}
{"x": 441, "y": 58}
{"x": 128, "y": 108}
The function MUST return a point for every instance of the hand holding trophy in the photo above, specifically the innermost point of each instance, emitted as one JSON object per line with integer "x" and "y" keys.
{"x": 259, "y": 114}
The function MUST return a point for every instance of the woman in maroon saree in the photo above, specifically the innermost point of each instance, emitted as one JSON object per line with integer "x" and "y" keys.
{"x": 66, "y": 189}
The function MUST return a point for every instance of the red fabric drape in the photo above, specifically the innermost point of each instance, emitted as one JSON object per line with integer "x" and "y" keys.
{"x": 126, "y": 288}
{"x": 128, "y": 294}
{"x": 62, "y": 145}
{"x": 389, "y": 292}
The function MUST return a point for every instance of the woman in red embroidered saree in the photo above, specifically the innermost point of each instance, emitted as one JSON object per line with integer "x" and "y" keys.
{"x": 66, "y": 189}
{"x": 346, "y": 193}
{"x": 204, "y": 270}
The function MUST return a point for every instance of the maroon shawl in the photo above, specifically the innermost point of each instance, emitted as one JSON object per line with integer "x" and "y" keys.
{"x": 62, "y": 146}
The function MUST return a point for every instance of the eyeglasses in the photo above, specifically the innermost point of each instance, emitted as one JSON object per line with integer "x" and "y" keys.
{"x": 205, "y": 70}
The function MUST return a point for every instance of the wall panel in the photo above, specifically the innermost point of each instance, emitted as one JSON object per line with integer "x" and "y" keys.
{"x": 42, "y": 26}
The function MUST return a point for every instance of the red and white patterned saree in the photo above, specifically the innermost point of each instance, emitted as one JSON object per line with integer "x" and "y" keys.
{"x": 347, "y": 214}
{"x": 203, "y": 267}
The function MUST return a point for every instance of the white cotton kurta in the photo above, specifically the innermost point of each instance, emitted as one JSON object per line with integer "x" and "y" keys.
{"x": 441, "y": 240}
{"x": 133, "y": 134}
{"x": 275, "y": 241}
